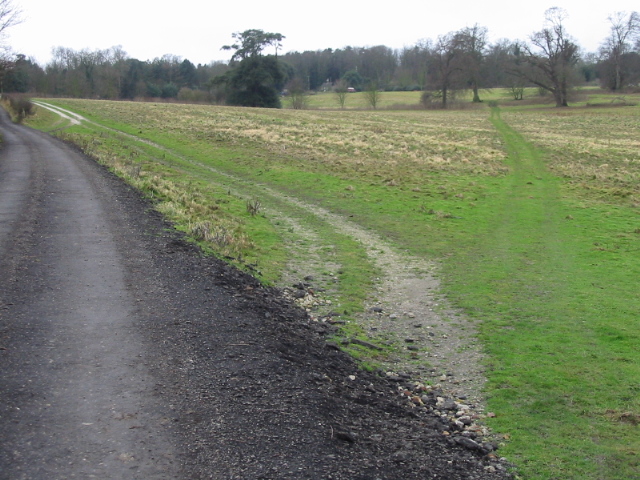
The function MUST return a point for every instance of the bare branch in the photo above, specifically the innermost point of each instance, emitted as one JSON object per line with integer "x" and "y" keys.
{"x": 10, "y": 15}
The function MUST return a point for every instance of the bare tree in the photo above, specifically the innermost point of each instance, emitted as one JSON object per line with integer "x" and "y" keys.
{"x": 298, "y": 96}
{"x": 340, "y": 90}
{"x": 497, "y": 61}
{"x": 472, "y": 42}
{"x": 413, "y": 64}
{"x": 625, "y": 28}
{"x": 550, "y": 59}
{"x": 378, "y": 64}
{"x": 445, "y": 67}
{"x": 372, "y": 95}
{"x": 10, "y": 15}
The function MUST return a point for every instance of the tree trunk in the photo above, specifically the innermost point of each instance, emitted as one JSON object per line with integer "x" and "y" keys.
{"x": 476, "y": 95}
{"x": 560, "y": 97}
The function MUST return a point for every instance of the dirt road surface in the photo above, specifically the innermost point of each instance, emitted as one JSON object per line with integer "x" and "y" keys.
{"x": 126, "y": 354}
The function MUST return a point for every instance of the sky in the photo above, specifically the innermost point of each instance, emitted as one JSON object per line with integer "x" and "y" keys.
{"x": 196, "y": 30}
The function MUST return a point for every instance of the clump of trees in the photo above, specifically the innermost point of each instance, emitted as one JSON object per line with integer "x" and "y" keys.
{"x": 258, "y": 73}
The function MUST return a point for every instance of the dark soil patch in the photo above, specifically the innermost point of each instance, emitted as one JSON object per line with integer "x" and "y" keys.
{"x": 258, "y": 392}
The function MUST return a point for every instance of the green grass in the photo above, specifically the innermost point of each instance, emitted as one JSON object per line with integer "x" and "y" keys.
{"x": 560, "y": 322}
{"x": 531, "y": 211}
{"x": 404, "y": 100}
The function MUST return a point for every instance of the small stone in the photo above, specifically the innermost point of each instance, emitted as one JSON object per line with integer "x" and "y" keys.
{"x": 449, "y": 404}
{"x": 490, "y": 446}
{"x": 346, "y": 436}
{"x": 364, "y": 343}
{"x": 466, "y": 420}
{"x": 469, "y": 444}
{"x": 401, "y": 456}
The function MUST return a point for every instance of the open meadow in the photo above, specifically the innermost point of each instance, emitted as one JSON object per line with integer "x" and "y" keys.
{"x": 527, "y": 216}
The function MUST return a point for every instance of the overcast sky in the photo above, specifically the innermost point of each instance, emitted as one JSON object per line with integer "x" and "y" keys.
{"x": 196, "y": 30}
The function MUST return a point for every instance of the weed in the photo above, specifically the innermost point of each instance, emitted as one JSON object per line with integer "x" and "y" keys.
{"x": 253, "y": 206}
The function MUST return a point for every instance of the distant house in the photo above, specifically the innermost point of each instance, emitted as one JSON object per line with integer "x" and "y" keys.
{"x": 351, "y": 90}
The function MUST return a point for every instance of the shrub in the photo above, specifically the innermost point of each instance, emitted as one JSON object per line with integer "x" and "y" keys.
{"x": 19, "y": 106}
{"x": 189, "y": 95}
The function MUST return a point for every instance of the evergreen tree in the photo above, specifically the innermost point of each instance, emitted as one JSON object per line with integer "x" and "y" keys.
{"x": 255, "y": 80}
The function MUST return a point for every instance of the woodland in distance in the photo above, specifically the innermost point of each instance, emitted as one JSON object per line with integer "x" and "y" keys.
{"x": 459, "y": 61}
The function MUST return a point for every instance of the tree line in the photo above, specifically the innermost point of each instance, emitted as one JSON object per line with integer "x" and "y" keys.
{"x": 441, "y": 67}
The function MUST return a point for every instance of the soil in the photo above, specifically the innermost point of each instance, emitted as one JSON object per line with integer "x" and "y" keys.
{"x": 127, "y": 353}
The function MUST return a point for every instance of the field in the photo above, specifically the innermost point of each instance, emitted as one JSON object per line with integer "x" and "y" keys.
{"x": 529, "y": 217}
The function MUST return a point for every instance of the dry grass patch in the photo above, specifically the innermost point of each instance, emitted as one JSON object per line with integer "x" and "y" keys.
{"x": 392, "y": 144}
{"x": 596, "y": 149}
{"x": 192, "y": 205}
